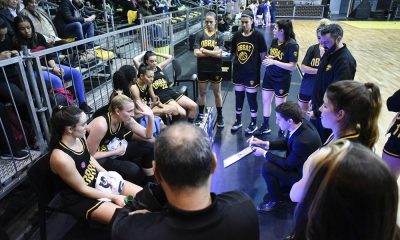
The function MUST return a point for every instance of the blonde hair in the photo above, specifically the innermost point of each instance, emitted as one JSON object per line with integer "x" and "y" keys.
{"x": 117, "y": 101}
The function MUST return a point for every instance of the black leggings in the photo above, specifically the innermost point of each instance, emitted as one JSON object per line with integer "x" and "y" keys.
{"x": 140, "y": 152}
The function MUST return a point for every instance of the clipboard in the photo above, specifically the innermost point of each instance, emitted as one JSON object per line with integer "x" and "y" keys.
{"x": 237, "y": 156}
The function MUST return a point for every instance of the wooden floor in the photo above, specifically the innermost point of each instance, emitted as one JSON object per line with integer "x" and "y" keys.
{"x": 377, "y": 52}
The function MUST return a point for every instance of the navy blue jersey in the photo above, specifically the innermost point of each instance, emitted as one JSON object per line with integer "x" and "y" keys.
{"x": 312, "y": 59}
{"x": 209, "y": 42}
{"x": 246, "y": 50}
{"x": 283, "y": 52}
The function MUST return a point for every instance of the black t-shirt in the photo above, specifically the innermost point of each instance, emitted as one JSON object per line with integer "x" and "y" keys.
{"x": 247, "y": 52}
{"x": 312, "y": 59}
{"x": 209, "y": 42}
{"x": 333, "y": 67}
{"x": 286, "y": 52}
{"x": 231, "y": 215}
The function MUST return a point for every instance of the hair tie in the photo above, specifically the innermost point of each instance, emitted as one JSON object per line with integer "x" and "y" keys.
{"x": 246, "y": 15}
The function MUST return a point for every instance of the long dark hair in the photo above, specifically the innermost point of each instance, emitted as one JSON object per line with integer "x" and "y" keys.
{"x": 351, "y": 194}
{"x": 124, "y": 77}
{"x": 62, "y": 117}
{"x": 147, "y": 55}
{"x": 362, "y": 104}
{"x": 287, "y": 27}
{"x": 19, "y": 40}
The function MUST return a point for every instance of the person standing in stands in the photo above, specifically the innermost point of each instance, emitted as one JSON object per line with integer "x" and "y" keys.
{"x": 309, "y": 68}
{"x": 280, "y": 63}
{"x": 184, "y": 164}
{"x": 337, "y": 64}
{"x": 73, "y": 19}
{"x": 356, "y": 122}
{"x": 391, "y": 150}
{"x": 208, "y": 50}
{"x": 248, "y": 48}
{"x": 302, "y": 141}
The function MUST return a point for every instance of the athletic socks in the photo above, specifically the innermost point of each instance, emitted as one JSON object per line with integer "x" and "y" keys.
{"x": 266, "y": 122}
{"x": 239, "y": 101}
{"x": 252, "y": 100}
{"x": 201, "y": 109}
{"x": 219, "y": 111}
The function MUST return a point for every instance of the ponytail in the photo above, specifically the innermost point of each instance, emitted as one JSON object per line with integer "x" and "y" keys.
{"x": 123, "y": 78}
{"x": 362, "y": 104}
{"x": 61, "y": 118}
{"x": 369, "y": 131}
{"x": 117, "y": 101}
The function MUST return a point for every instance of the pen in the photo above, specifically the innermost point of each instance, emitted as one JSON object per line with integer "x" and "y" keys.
{"x": 251, "y": 140}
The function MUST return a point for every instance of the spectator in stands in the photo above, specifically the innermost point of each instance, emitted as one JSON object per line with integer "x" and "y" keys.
{"x": 73, "y": 19}
{"x": 309, "y": 68}
{"x": 26, "y": 35}
{"x": 145, "y": 8}
{"x": 272, "y": 10}
{"x": 302, "y": 141}
{"x": 350, "y": 194}
{"x": 357, "y": 122}
{"x": 10, "y": 83}
{"x": 161, "y": 84}
{"x": 337, "y": 64}
{"x": 118, "y": 125}
{"x": 41, "y": 21}
{"x": 391, "y": 150}
{"x": 142, "y": 90}
{"x": 81, "y": 179}
{"x": 7, "y": 138}
{"x": 279, "y": 64}
{"x": 8, "y": 12}
{"x": 183, "y": 166}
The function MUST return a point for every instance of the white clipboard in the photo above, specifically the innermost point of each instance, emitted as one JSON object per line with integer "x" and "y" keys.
{"x": 236, "y": 157}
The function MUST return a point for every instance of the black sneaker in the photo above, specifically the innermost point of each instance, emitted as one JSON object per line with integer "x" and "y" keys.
{"x": 236, "y": 125}
{"x": 199, "y": 119}
{"x": 220, "y": 122}
{"x": 267, "y": 207}
{"x": 86, "y": 108}
{"x": 264, "y": 129}
{"x": 251, "y": 128}
{"x": 18, "y": 155}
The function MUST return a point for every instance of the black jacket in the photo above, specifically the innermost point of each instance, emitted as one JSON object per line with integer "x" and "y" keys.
{"x": 336, "y": 66}
{"x": 66, "y": 14}
{"x": 393, "y": 102}
{"x": 303, "y": 142}
{"x": 9, "y": 19}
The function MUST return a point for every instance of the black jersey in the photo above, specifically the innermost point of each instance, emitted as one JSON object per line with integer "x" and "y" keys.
{"x": 82, "y": 163}
{"x": 247, "y": 52}
{"x": 120, "y": 133}
{"x": 312, "y": 59}
{"x": 209, "y": 42}
{"x": 286, "y": 52}
{"x": 144, "y": 94}
{"x": 159, "y": 82}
